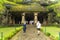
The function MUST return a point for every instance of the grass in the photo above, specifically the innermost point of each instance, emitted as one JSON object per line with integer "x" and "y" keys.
{"x": 8, "y": 31}
{"x": 53, "y": 30}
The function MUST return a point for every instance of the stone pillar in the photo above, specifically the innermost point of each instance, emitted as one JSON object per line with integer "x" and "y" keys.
{"x": 23, "y": 18}
{"x": 4, "y": 19}
{"x": 13, "y": 21}
{"x": 10, "y": 20}
{"x": 49, "y": 18}
{"x": 35, "y": 17}
{"x": 0, "y": 19}
{"x": 19, "y": 22}
{"x": 44, "y": 22}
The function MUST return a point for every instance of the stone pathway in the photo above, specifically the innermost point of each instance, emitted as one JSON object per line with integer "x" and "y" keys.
{"x": 31, "y": 34}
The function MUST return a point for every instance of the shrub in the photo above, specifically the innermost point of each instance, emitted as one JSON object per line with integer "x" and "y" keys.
{"x": 41, "y": 30}
{"x": 48, "y": 34}
{"x": 52, "y": 37}
{"x": 57, "y": 38}
{"x": 9, "y": 37}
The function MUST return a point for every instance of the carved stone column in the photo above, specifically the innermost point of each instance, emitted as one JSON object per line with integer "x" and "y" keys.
{"x": 10, "y": 20}
{"x": 23, "y": 18}
{"x": 4, "y": 20}
{"x": 35, "y": 17}
{"x": 44, "y": 22}
{"x": 13, "y": 21}
{"x": 49, "y": 18}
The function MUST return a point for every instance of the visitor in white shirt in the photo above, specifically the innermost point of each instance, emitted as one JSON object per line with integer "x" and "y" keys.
{"x": 38, "y": 24}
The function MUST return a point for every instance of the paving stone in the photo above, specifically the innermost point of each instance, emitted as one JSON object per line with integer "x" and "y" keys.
{"x": 31, "y": 34}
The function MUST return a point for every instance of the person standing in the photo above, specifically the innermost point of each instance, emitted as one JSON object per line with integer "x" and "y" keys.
{"x": 38, "y": 24}
{"x": 24, "y": 27}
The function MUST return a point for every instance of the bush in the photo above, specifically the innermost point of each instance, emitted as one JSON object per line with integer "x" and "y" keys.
{"x": 12, "y": 34}
{"x": 52, "y": 37}
{"x": 57, "y": 38}
{"x": 48, "y": 34}
{"x": 41, "y": 30}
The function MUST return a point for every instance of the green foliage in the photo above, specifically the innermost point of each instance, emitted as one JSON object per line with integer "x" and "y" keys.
{"x": 48, "y": 34}
{"x": 32, "y": 7}
{"x": 2, "y": 7}
{"x": 19, "y": 7}
{"x": 53, "y": 31}
{"x": 57, "y": 38}
{"x": 56, "y": 8}
{"x": 16, "y": 0}
{"x": 41, "y": 29}
{"x": 10, "y": 31}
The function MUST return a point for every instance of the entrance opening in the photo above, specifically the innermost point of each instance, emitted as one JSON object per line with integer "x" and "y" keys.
{"x": 29, "y": 17}
{"x": 42, "y": 16}
{"x": 16, "y": 17}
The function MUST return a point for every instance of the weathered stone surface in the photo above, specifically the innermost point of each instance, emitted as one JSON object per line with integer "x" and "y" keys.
{"x": 31, "y": 34}
{"x": 31, "y": 7}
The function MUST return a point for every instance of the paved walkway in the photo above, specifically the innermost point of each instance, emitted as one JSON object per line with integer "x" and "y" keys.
{"x": 31, "y": 34}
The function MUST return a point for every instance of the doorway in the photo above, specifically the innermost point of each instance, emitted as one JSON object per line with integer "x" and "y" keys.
{"x": 16, "y": 17}
{"x": 29, "y": 17}
{"x": 42, "y": 16}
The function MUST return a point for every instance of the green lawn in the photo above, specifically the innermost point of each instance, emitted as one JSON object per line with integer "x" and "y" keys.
{"x": 8, "y": 31}
{"x": 53, "y": 30}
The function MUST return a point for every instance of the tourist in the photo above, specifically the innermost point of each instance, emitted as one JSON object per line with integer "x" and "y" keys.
{"x": 38, "y": 24}
{"x": 31, "y": 22}
{"x": 24, "y": 27}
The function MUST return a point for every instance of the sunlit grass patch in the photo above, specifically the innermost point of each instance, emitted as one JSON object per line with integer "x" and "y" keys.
{"x": 53, "y": 30}
{"x": 8, "y": 32}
